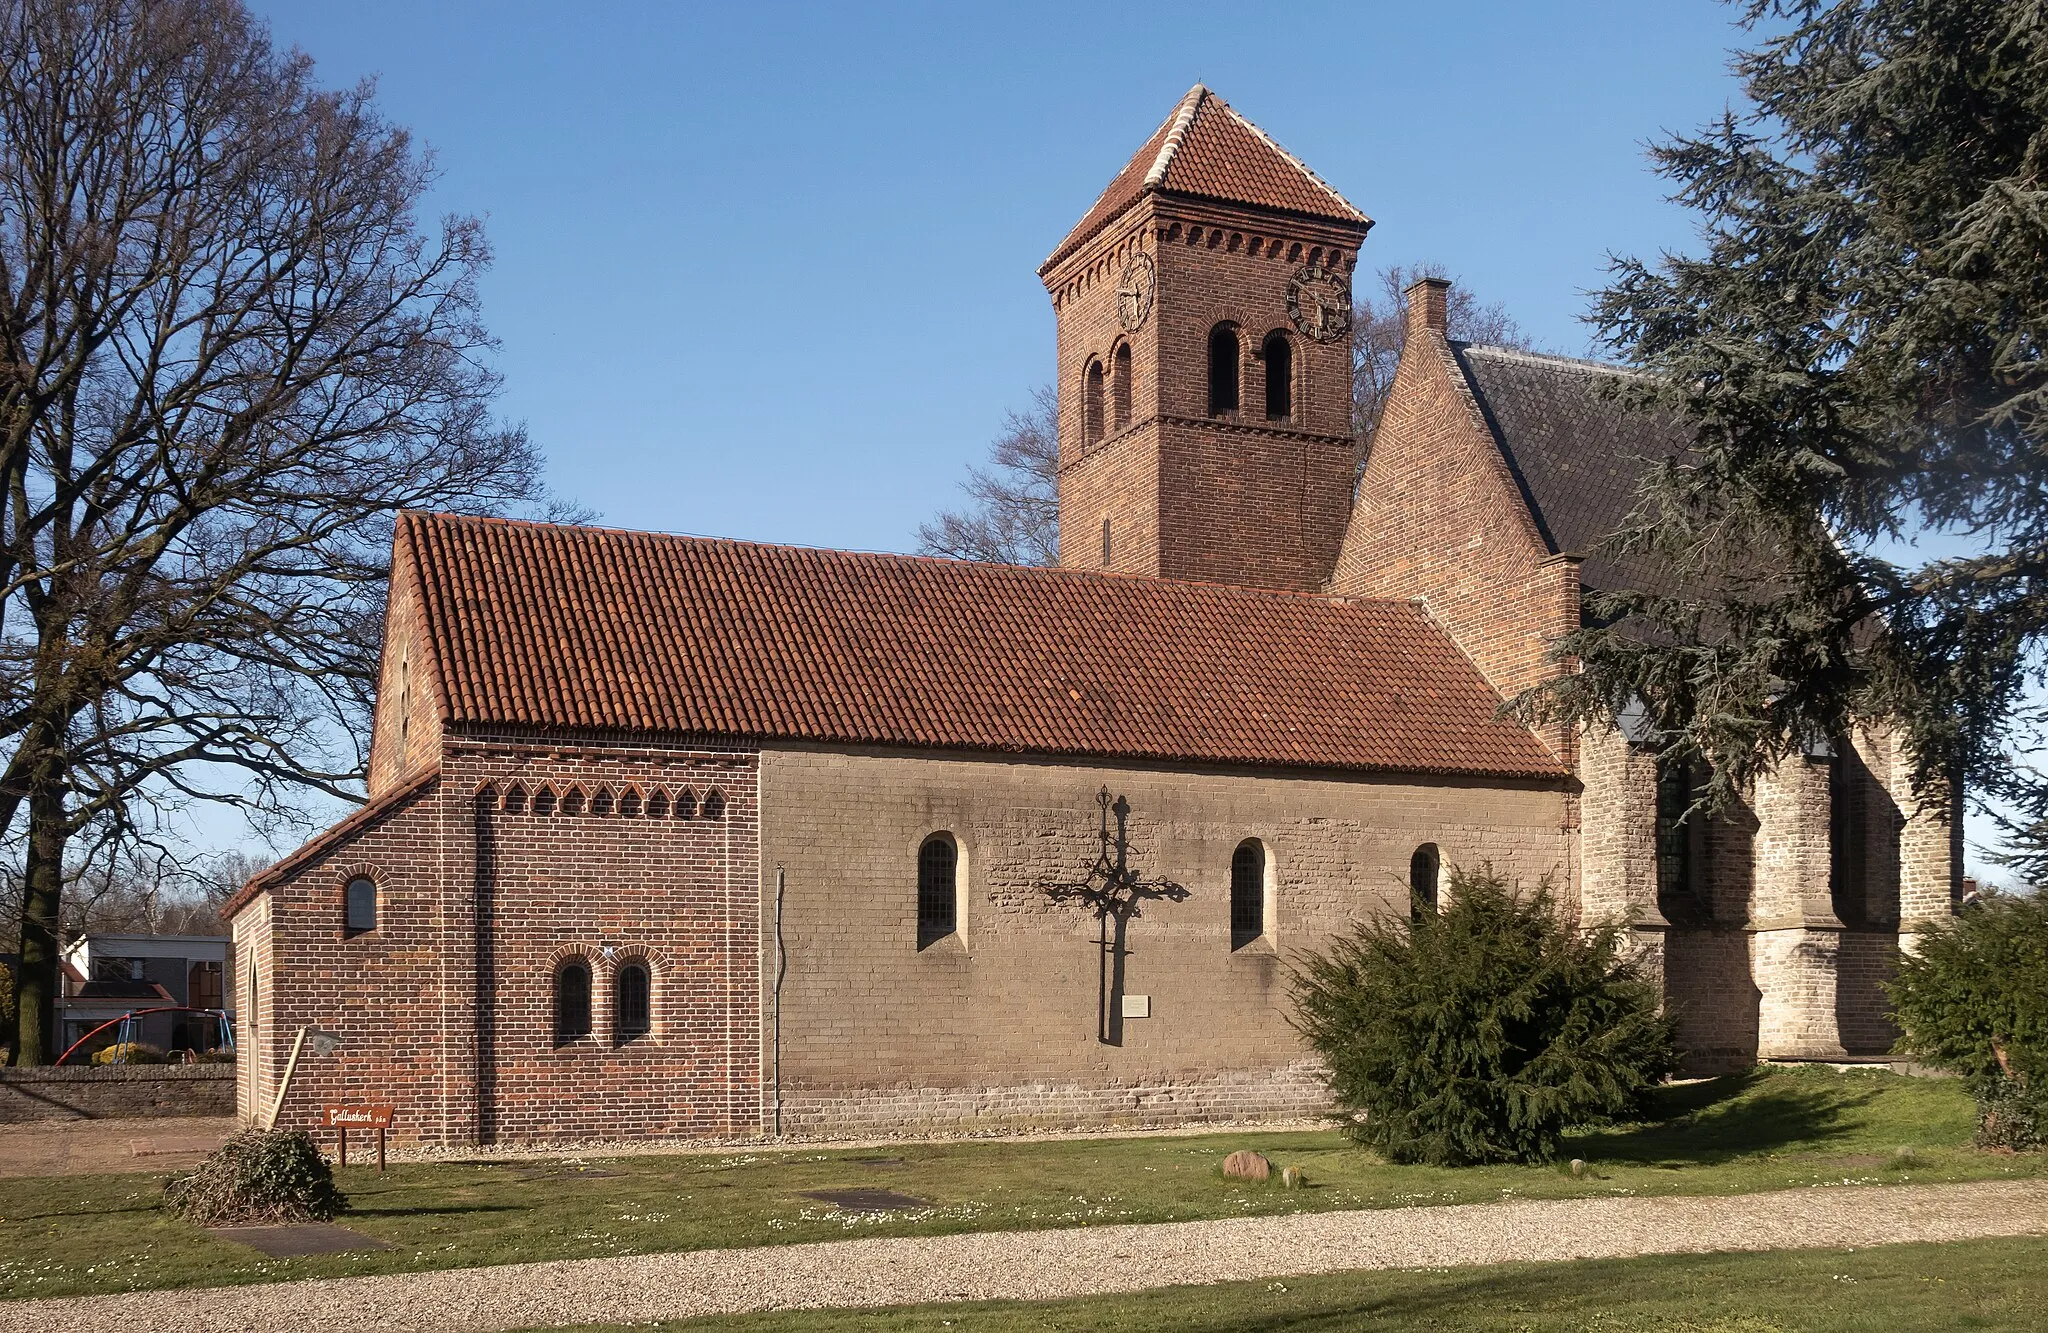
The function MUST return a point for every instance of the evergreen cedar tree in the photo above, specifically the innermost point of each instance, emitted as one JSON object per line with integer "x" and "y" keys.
{"x": 1481, "y": 1032}
{"x": 1860, "y": 356}
{"x": 195, "y": 572}
{"x": 1973, "y": 999}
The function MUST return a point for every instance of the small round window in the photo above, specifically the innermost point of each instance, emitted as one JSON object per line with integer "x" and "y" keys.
{"x": 361, "y": 905}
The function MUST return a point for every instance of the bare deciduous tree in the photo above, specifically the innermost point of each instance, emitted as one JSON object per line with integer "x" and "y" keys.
{"x": 1014, "y": 517}
{"x": 229, "y": 353}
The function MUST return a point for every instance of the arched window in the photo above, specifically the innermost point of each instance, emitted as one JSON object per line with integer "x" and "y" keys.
{"x": 1120, "y": 388}
{"x": 572, "y": 1001}
{"x": 361, "y": 906}
{"x": 1247, "y": 893}
{"x": 1422, "y": 877}
{"x": 1105, "y": 543}
{"x": 1675, "y": 793}
{"x": 1091, "y": 404}
{"x": 1222, "y": 369}
{"x": 1278, "y": 354}
{"x": 632, "y": 1013}
{"x": 938, "y": 888}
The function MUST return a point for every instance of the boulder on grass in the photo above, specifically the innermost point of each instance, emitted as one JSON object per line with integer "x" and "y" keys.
{"x": 1245, "y": 1164}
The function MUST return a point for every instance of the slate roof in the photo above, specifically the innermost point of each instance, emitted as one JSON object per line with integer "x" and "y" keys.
{"x": 1206, "y": 150}
{"x": 1577, "y": 453}
{"x": 554, "y": 626}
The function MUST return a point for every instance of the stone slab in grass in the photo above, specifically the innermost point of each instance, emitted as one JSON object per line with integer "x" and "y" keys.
{"x": 866, "y": 1201}
{"x": 296, "y": 1240}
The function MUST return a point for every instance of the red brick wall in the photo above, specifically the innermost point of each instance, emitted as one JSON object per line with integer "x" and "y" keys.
{"x": 405, "y": 735}
{"x": 1237, "y": 499}
{"x": 1439, "y": 517}
{"x": 446, "y": 1007}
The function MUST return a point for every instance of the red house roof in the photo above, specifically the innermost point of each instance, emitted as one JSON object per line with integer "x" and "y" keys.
{"x": 572, "y": 627}
{"x": 1207, "y": 150}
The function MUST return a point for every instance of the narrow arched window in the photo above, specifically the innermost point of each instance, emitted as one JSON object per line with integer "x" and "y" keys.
{"x": 632, "y": 1014}
{"x": 1278, "y": 354}
{"x": 572, "y": 1001}
{"x": 1222, "y": 369}
{"x": 1120, "y": 388}
{"x": 1422, "y": 877}
{"x": 1675, "y": 793}
{"x": 938, "y": 888}
{"x": 1091, "y": 404}
{"x": 1247, "y": 893}
{"x": 360, "y": 908}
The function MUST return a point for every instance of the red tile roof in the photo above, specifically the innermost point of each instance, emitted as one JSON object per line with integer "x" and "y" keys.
{"x": 327, "y": 840}
{"x": 1205, "y": 148}
{"x": 551, "y": 626}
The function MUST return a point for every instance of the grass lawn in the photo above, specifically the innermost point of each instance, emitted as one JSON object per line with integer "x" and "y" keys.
{"x": 1996, "y": 1284}
{"x": 1765, "y": 1130}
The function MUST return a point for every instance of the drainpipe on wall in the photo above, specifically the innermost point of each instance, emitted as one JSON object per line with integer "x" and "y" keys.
{"x": 781, "y": 967}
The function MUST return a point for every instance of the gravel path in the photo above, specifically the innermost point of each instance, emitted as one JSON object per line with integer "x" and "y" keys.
{"x": 1038, "y": 1265}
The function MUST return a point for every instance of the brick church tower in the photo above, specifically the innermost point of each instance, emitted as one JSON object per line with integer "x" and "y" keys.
{"x": 1205, "y": 361}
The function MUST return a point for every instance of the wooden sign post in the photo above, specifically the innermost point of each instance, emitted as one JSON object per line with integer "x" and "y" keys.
{"x": 343, "y": 1118}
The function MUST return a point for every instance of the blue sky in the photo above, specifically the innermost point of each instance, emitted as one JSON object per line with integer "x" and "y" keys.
{"x": 767, "y": 270}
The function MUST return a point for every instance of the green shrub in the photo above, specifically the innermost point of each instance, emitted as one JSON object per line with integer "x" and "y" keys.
{"x": 1481, "y": 1033}
{"x": 259, "y": 1175}
{"x": 1972, "y": 998}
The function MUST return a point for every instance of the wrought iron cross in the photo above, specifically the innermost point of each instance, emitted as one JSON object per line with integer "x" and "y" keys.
{"x": 1114, "y": 890}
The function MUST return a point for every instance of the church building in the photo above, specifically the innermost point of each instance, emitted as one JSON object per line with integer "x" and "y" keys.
{"x": 671, "y": 836}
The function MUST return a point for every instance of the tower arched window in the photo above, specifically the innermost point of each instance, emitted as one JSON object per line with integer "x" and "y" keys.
{"x": 1278, "y": 354}
{"x": 1120, "y": 388}
{"x": 572, "y": 1001}
{"x": 1247, "y": 893}
{"x": 938, "y": 888}
{"x": 633, "y": 1008}
{"x": 1091, "y": 404}
{"x": 1222, "y": 369}
{"x": 1424, "y": 869}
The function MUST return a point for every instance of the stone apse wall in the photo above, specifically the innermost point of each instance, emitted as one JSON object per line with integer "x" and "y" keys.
{"x": 1799, "y": 899}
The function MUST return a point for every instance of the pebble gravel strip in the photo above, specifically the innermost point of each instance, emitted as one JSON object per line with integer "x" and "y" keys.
{"x": 1041, "y": 1265}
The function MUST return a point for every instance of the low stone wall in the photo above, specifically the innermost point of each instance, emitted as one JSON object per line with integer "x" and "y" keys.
{"x": 116, "y": 1092}
{"x": 1293, "y": 1093}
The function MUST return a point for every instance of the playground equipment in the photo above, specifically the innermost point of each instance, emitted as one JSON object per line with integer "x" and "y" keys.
{"x": 130, "y": 1029}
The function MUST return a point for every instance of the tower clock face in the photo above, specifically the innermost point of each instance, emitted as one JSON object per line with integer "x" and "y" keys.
{"x": 1319, "y": 303}
{"x": 1134, "y": 293}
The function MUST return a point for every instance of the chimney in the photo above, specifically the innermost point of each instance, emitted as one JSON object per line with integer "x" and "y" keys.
{"x": 1429, "y": 305}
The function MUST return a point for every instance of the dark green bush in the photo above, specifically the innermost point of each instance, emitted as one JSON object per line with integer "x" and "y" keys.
{"x": 1480, "y": 1033}
{"x": 273, "y": 1175}
{"x": 1972, "y": 998}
